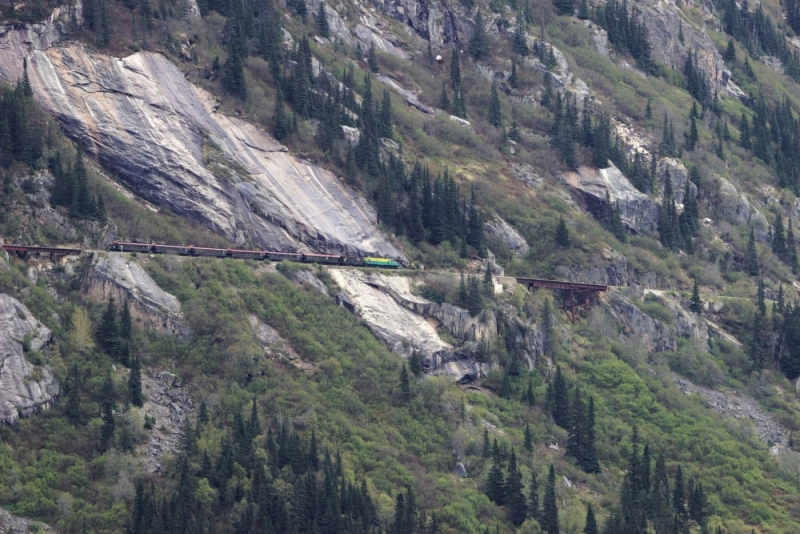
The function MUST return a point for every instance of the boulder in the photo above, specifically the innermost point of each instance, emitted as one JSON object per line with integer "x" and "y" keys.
{"x": 25, "y": 389}
{"x": 499, "y": 230}
{"x": 653, "y": 334}
{"x": 460, "y": 470}
{"x": 733, "y": 207}
{"x": 639, "y": 212}
{"x": 114, "y": 274}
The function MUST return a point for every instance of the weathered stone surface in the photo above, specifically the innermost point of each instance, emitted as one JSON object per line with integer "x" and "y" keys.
{"x": 377, "y": 301}
{"x": 612, "y": 269}
{"x": 163, "y": 136}
{"x": 739, "y": 406}
{"x": 116, "y": 274}
{"x": 527, "y": 174}
{"x": 678, "y": 175}
{"x": 499, "y": 230}
{"x": 12, "y": 524}
{"x": 306, "y": 277}
{"x": 654, "y": 335}
{"x": 733, "y": 207}
{"x": 24, "y": 389}
{"x": 411, "y": 98}
{"x": 638, "y": 211}
{"x": 275, "y": 347}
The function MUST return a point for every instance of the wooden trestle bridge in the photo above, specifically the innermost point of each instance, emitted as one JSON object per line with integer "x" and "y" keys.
{"x": 574, "y": 295}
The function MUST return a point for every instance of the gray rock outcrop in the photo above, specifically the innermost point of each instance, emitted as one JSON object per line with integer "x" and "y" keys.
{"x": 25, "y": 389}
{"x": 499, "y": 230}
{"x": 163, "y": 136}
{"x": 653, "y": 334}
{"x": 113, "y": 274}
{"x": 612, "y": 269}
{"x": 639, "y": 212}
{"x": 404, "y": 330}
{"x": 733, "y": 207}
{"x": 12, "y": 524}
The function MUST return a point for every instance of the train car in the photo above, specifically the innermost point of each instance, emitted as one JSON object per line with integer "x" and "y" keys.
{"x": 278, "y": 256}
{"x": 322, "y": 258}
{"x": 124, "y": 246}
{"x": 205, "y": 251}
{"x": 247, "y": 254}
{"x": 355, "y": 261}
{"x": 173, "y": 249}
{"x": 386, "y": 263}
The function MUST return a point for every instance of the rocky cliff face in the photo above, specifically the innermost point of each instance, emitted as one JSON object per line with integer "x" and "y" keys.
{"x": 163, "y": 137}
{"x": 406, "y": 323}
{"x": 502, "y": 232}
{"x": 114, "y": 274}
{"x": 24, "y": 389}
{"x": 638, "y": 211}
{"x": 612, "y": 269}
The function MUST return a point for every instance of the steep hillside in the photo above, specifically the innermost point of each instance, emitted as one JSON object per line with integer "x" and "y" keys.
{"x": 651, "y": 147}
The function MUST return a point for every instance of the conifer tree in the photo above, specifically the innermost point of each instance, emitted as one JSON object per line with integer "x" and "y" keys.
{"x": 528, "y": 441}
{"x": 444, "y": 101}
{"x": 549, "y": 513}
{"x": 679, "y": 496}
{"x": 692, "y": 137}
{"x": 107, "y": 430}
{"x": 495, "y": 482}
{"x": 233, "y": 77}
{"x": 560, "y": 408}
{"x": 455, "y": 70}
{"x": 591, "y": 522}
{"x": 135, "y": 383}
{"x": 730, "y": 52}
{"x": 478, "y": 46}
{"x": 108, "y": 330}
{"x": 751, "y": 256}
{"x": 385, "y": 122}
{"x": 583, "y": 11}
{"x": 486, "y": 451}
{"x": 519, "y": 43}
{"x": 534, "y": 510}
{"x": 505, "y": 386}
{"x": 372, "y": 60}
{"x": 514, "y": 497}
{"x": 791, "y": 248}
{"x": 576, "y": 439}
{"x": 405, "y": 385}
{"x": 589, "y": 462}
{"x": 530, "y": 398}
{"x": 562, "y": 233}
{"x": 744, "y": 132}
{"x": 125, "y": 322}
{"x": 779, "y": 238}
{"x": 280, "y": 122}
{"x": 415, "y": 363}
{"x": 513, "y": 79}
{"x": 548, "y": 336}
{"x": 72, "y": 411}
{"x": 695, "y": 304}
{"x": 495, "y": 112}
{"x": 564, "y": 7}
{"x": 322, "y": 21}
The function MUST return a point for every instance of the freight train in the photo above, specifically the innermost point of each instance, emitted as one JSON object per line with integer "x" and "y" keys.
{"x": 184, "y": 250}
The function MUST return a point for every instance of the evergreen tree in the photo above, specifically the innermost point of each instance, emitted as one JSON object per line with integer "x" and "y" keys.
{"x": 519, "y": 42}
{"x": 679, "y": 496}
{"x": 591, "y": 522}
{"x": 549, "y": 514}
{"x": 135, "y": 383}
{"x": 533, "y": 498}
{"x": 455, "y": 70}
{"x": 125, "y": 322}
{"x": 513, "y": 79}
{"x": 444, "y": 101}
{"x": 495, "y": 112}
{"x": 514, "y": 497}
{"x": 589, "y": 462}
{"x": 385, "y": 123}
{"x": 548, "y": 336}
{"x": 751, "y": 256}
{"x": 648, "y": 112}
{"x": 486, "y": 451}
{"x": 530, "y": 398}
{"x": 560, "y": 407}
{"x": 72, "y": 411}
{"x": 564, "y": 7}
{"x": 693, "y": 137}
{"x": 695, "y": 304}
{"x": 372, "y": 60}
{"x": 415, "y": 363}
{"x": 478, "y": 46}
{"x": 791, "y": 248}
{"x": 233, "y": 77}
{"x": 562, "y": 233}
{"x": 108, "y": 330}
{"x": 495, "y": 482}
{"x": 107, "y": 430}
{"x": 779, "y": 238}
{"x": 730, "y": 53}
{"x": 744, "y": 132}
{"x": 584, "y": 12}
{"x": 405, "y": 385}
{"x": 528, "y": 441}
{"x": 322, "y": 21}
{"x": 280, "y": 122}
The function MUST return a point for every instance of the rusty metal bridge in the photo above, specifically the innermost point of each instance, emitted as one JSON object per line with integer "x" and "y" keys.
{"x": 574, "y": 295}
{"x": 54, "y": 253}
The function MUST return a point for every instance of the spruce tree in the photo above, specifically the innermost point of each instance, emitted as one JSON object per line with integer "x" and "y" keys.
{"x": 530, "y": 398}
{"x": 576, "y": 439}
{"x": 692, "y": 137}
{"x": 107, "y": 430}
{"x": 495, "y": 482}
{"x": 405, "y": 385}
{"x": 791, "y": 248}
{"x": 455, "y": 70}
{"x": 695, "y": 304}
{"x": 514, "y": 498}
{"x": 744, "y": 133}
{"x": 108, "y": 330}
{"x": 560, "y": 408}
{"x": 495, "y": 111}
{"x": 125, "y": 322}
{"x": 549, "y": 514}
{"x": 679, "y": 496}
{"x": 322, "y": 21}
{"x": 372, "y": 60}
{"x": 730, "y": 52}
{"x": 751, "y": 256}
{"x": 519, "y": 42}
{"x": 779, "y": 238}
{"x": 280, "y": 122}
{"x": 548, "y": 335}
{"x": 478, "y": 46}
{"x": 486, "y": 451}
{"x": 513, "y": 79}
{"x": 135, "y": 383}
{"x": 528, "y": 441}
{"x": 533, "y": 498}
{"x": 564, "y": 7}
{"x": 444, "y": 101}
{"x": 72, "y": 411}
{"x": 233, "y": 77}
{"x": 385, "y": 116}
{"x": 562, "y": 233}
{"x": 415, "y": 363}
{"x": 583, "y": 11}
{"x": 591, "y": 522}
{"x": 589, "y": 462}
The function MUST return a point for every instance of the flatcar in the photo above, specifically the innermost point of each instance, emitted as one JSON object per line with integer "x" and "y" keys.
{"x": 124, "y": 246}
{"x": 386, "y": 263}
{"x": 205, "y": 251}
{"x": 247, "y": 254}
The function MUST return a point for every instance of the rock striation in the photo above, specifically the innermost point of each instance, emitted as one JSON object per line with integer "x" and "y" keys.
{"x": 639, "y": 212}
{"x": 612, "y": 269}
{"x": 502, "y": 232}
{"x": 162, "y": 135}
{"x": 733, "y": 207}
{"x": 114, "y": 274}
{"x": 25, "y": 389}
{"x": 398, "y": 318}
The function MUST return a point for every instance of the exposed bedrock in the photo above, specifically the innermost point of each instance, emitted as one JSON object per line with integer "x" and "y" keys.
{"x": 25, "y": 389}
{"x": 114, "y": 274}
{"x": 162, "y": 135}
{"x": 639, "y": 212}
